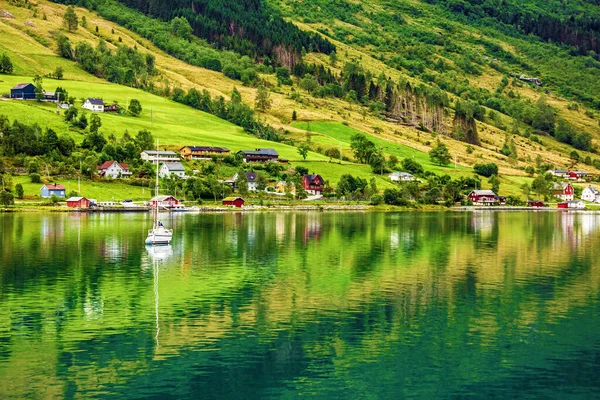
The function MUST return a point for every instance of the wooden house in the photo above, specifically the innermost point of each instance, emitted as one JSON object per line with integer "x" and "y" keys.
{"x": 313, "y": 184}
{"x": 482, "y": 197}
{"x": 93, "y": 104}
{"x": 156, "y": 156}
{"x": 78, "y": 202}
{"x": 163, "y": 201}
{"x": 251, "y": 177}
{"x": 52, "y": 189}
{"x": 590, "y": 193}
{"x": 23, "y": 91}
{"x": 535, "y": 203}
{"x": 564, "y": 191}
{"x": 259, "y": 155}
{"x": 201, "y": 152}
{"x": 169, "y": 169}
{"x": 233, "y": 202}
{"x": 401, "y": 177}
{"x": 113, "y": 169}
{"x": 578, "y": 175}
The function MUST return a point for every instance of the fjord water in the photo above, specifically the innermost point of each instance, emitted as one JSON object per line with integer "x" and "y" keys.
{"x": 286, "y": 305}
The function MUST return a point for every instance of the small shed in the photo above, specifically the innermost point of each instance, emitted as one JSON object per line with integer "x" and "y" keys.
{"x": 535, "y": 203}
{"x": 233, "y": 202}
{"x": 23, "y": 91}
{"x": 78, "y": 202}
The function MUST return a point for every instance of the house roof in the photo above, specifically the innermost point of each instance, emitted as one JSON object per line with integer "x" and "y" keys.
{"x": 76, "y": 198}
{"x": 54, "y": 186}
{"x": 107, "y": 164}
{"x": 160, "y": 153}
{"x": 22, "y": 86}
{"x": 251, "y": 176}
{"x": 559, "y": 171}
{"x": 561, "y": 185}
{"x": 593, "y": 189}
{"x": 161, "y": 198}
{"x": 260, "y": 152}
{"x": 580, "y": 172}
{"x": 311, "y": 178}
{"x": 232, "y": 198}
{"x": 95, "y": 101}
{"x": 483, "y": 193}
{"x": 207, "y": 148}
{"x": 174, "y": 166}
{"x": 406, "y": 174}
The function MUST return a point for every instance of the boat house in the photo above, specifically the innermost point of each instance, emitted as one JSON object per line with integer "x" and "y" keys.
{"x": 52, "y": 189}
{"x": 576, "y": 204}
{"x": 535, "y": 203}
{"x": 78, "y": 202}
{"x": 233, "y": 202}
{"x": 23, "y": 91}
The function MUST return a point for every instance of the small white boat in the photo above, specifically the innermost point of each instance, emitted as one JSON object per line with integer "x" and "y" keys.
{"x": 158, "y": 235}
{"x": 182, "y": 208}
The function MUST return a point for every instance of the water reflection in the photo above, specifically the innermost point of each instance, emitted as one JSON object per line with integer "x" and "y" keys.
{"x": 288, "y": 304}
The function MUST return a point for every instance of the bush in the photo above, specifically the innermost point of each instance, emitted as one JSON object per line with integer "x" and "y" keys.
{"x": 35, "y": 178}
{"x": 376, "y": 199}
{"x": 486, "y": 170}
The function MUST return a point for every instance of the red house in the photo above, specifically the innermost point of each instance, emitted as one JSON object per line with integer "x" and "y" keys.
{"x": 535, "y": 203}
{"x": 313, "y": 183}
{"x": 483, "y": 197}
{"x": 163, "y": 201}
{"x": 564, "y": 191}
{"x": 578, "y": 175}
{"x": 233, "y": 202}
{"x": 78, "y": 202}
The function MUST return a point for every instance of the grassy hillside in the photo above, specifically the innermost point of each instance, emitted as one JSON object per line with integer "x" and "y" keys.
{"x": 363, "y": 33}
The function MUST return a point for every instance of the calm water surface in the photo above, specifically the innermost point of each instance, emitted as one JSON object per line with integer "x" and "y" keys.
{"x": 288, "y": 305}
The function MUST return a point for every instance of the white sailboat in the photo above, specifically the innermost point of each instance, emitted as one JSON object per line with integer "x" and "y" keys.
{"x": 158, "y": 235}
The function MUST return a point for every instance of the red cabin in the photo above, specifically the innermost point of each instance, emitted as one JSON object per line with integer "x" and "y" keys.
{"x": 483, "y": 197}
{"x": 233, "y": 202}
{"x": 535, "y": 203}
{"x": 313, "y": 183}
{"x": 163, "y": 201}
{"x": 78, "y": 202}
{"x": 564, "y": 191}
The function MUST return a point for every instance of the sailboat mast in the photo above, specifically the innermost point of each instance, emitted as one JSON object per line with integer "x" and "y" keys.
{"x": 156, "y": 187}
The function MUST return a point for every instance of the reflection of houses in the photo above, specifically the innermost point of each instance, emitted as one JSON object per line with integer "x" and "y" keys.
{"x": 201, "y": 152}
{"x": 259, "y": 155}
{"x": 590, "y": 193}
{"x": 78, "y": 202}
{"x": 482, "y": 197}
{"x": 163, "y": 201}
{"x": 313, "y": 227}
{"x": 93, "y": 104}
{"x": 169, "y": 169}
{"x": 564, "y": 191}
{"x": 23, "y": 91}
{"x": 401, "y": 177}
{"x": 52, "y": 189}
{"x": 113, "y": 169}
{"x": 313, "y": 183}
{"x": 233, "y": 202}
{"x": 577, "y": 204}
{"x": 156, "y": 156}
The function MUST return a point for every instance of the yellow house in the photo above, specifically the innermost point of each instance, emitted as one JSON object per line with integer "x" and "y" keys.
{"x": 201, "y": 152}
{"x": 281, "y": 186}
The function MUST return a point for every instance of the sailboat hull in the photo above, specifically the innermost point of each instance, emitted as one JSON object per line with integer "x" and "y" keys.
{"x": 159, "y": 236}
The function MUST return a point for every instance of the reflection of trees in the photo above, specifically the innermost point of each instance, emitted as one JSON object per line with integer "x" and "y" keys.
{"x": 282, "y": 296}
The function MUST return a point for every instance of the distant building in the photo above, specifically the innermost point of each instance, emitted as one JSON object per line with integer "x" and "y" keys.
{"x": 577, "y": 204}
{"x": 23, "y": 91}
{"x": 564, "y": 191}
{"x": 590, "y": 193}
{"x": 562, "y": 173}
{"x": 169, "y": 169}
{"x": 259, "y": 155}
{"x": 251, "y": 177}
{"x": 233, "y": 201}
{"x": 156, "y": 156}
{"x": 163, "y": 201}
{"x": 535, "y": 203}
{"x": 52, "y": 189}
{"x": 578, "y": 175}
{"x": 78, "y": 202}
{"x": 201, "y": 152}
{"x": 282, "y": 187}
{"x": 113, "y": 169}
{"x": 483, "y": 197}
{"x": 313, "y": 184}
{"x": 111, "y": 108}
{"x": 93, "y": 104}
{"x": 401, "y": 176}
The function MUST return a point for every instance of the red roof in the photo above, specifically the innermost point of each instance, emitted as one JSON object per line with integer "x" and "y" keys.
{"x": 54, "y": 186}
{"x": 107, "y": 164}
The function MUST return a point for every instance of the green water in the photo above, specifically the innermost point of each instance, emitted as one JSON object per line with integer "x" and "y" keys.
{"x": 312, "y": 305}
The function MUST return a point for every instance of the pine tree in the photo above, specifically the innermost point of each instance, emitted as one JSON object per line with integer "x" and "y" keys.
{"x": 263, "y": 100}
{"x": 70, "y": 20}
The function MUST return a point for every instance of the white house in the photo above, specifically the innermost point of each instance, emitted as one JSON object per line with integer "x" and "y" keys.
{"x": 559, "y": 172}
{"x": 251, "y": 178}
{"x": 401, "y": 176}
{"x": 590, "y": 193}
{"x": 171, "y": 168}
{"x": 156, "y": 156}
{"x": 93, "y": 104}
{"x": 114, "y": 170}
